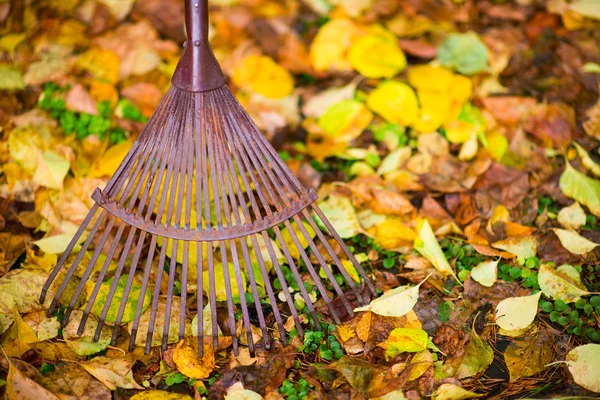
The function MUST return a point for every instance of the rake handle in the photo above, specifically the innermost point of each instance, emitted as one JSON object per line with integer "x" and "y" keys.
{"x": 198, "y": 69}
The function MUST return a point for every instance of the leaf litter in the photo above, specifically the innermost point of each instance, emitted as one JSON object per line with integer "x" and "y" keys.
{"x": 458, "y": 163}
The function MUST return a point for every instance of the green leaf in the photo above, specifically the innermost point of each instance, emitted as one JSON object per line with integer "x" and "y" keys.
{"x": 401, "y": 340}
{"x": 581, "y": 188}
{"x": 10, "y": 78}
{"x": 478, "y": 357}
{"x": 464, "y": 52}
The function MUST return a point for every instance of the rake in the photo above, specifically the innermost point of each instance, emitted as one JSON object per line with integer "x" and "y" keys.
{"x": 202, "y": 191}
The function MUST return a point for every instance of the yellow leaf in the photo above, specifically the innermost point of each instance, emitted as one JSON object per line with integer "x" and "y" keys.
{"x": 363, "y": 327}
{"x": 341, "y": 214}
{"x": 317, "y": 105}
{"x": 520, "y": 246}
{"x": 346, "y": 332}
{"x": 584, "y": 365}
{"x": 574, "y": 242}
{"x": 448, "y": 391}
{"x": 563, "y": 283}
{"x": 427, "y": 245}
{"x": 460, "y": 131}
{"x": 517, "y": 312}
{"x": 262, "y": 75}
{"x": 434, "y": 110}
{"x": 392, "y": 233}
{"x": 377, "y": 55}
{"x": 103, "y": 64}
{"x": 51, "y": 170}
{"x": 19, "y": 336}
{"x": 496, "y": 145}
{"x": 405, "y": 340}
{"x": 572, "y": 217}
{"x": 586, "y": 160}
{"x": 107, "y": 164}
{"x": 345, "y": 120}
{"x": 395, "y": 101}
{"x": 188, "y": 363}
{"x": 430, "y": 77}
{"x": 159, "y": 395}
{"x": 220, "y": 285}
{"x": 420, "y": 363}
{"x": 299, "y": 236}
{"x": 56, "y": 244}
{"x": 394, "y": 303}
{"x": 329, "y": 49}
{"x": 83, "y": 344}
{"x": 486, "y": 273}
{"x": 581, "y": 188}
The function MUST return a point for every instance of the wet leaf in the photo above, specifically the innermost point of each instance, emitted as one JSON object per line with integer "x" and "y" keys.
{"x": 188, "y": 363}
{"x": 395, "y": 101}
{"x": 517, "y": 312}
{"x": 563, "y": 283}
{"x": 581, "y": 188}
{"x": 448, "y": 391}
{"x": 584, "y": 365}
{"x": 465, "y": 52}
{"x": 427, "y": 245}
{"x": 394, "y": 303}
{"x": 527, "y": 356}
{"x": 574, "y": 242}
{"x": 113, "y": 372}
{"x": 486, "y": 273}
{"x": 572, "y": 217}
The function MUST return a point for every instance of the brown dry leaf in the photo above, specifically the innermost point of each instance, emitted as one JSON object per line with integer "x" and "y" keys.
{"x": 113, "y": 372}
{"x": 21, "y": 387}
{"x": 388, "y": 202}
{"x": 11, "y": 248}
{"x": 528, "y": 355}
{"x": 71, "y": 379}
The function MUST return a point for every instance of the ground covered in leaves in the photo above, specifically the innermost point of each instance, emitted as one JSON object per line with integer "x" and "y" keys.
{"x": 454, "y": 146}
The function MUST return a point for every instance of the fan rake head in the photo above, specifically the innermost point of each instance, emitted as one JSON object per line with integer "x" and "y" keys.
{"x": 204, "y": 200}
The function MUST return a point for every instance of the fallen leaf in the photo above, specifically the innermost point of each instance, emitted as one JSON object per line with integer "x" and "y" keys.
{"x": 20, "y": 387}
{"x": 465, "y": 52}
{"x": 103, "y": 64}
{"x": 113, "y": 372}
{"x": 486, "y": 273}
{"x": 345, "y": 120}
{"x": 51, "y": 170}
{"x": 16, "y": 341}
{"x": 108, "y": 162}
{"x": 119, "y": 8}
{"x": 574, "y": 242}
{"x": 44, "y": 327}
{"x": 581, "y": 188}
{"x": 427, "y": 245}
{"x": 131, "y": 303}
{"x": 520, "y": 246}
{"x": 395, "y": 101}
{"x": 341, "y": 214}
{"x": 70, "y": 379}
{"x": 329, "y": 49}
{"x": 528, "y": 355}
{"x": 563, "y": 283}
{"x": 394, "y": 303}
{"x": 22, "y": 287}
{"x": 572, "y": 217}
{"x": 401, "y": 340}
{"x": 10, "y": 78}
{"x": 320, "y": 103}
{"x": 83, "y": 344}
{"x": 377, "y": 55}
{"x": 159, "y": 395}
{"x": 516, "y": 313}
{"x": 448, "y": 391}
{"x": 237, "y": 392}
{"x": 262, "y": 75}
{"x": 173, "y": 334}
{"x": 478, "y": 357}
{"x": 584, "y": 365}
{"x": 419, "y": 364}
{"x": 586, "y": 160}
{"x": 188, "y": 363}
{"x": 220, "y": 283}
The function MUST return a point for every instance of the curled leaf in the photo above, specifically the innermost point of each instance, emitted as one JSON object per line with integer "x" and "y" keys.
{"x": 427, "y": 245}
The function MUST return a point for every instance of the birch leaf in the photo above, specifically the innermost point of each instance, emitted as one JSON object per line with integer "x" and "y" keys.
{"x": 525, "y": 246}
{"x": 319, "y": 104}
{"x": 584, "y": 365}
{"x": 448, "y": 391}
{"x": 427, "y": 245}
{"x": 113, "y": 372}
{"x": 394, "y": 303}
{"x": 574, "y": 242}
{"x": 341, "y": 214}
{"x": 486, "y": 273}
{"x": 405, "y": 340}
{"x": 586, "y": 160}
{"x": 581, "y": 188}
{"x": 517, "y": 312}
{"x": 562, "y": 283}
{"x": 572, "y": 217}
{"x": 478, "y": 357}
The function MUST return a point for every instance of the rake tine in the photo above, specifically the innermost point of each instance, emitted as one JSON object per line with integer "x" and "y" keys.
{"x": 155, "y": 298}
{"x": 198, "y": 144}
{"x": 167, "y": 318}
{"x": 88, "y": 270}
{"x": 200, "y": 298}
{"x": 184, "y": 279}
{"x": 130, "y": 277}
{"x": 100, "y": 279}
{"x": 68, "y": 251}
{"x": 140, "y": 303}
{"x": 75, "y": 264}
{"x": 340, "y": 241}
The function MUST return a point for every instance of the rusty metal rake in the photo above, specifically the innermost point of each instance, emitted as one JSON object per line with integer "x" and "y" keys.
{"x": 200, "y": 183}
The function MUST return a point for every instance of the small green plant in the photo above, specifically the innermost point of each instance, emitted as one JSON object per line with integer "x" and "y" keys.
{"x": 577, "y": 318}
{"x": 527, "y": 273}
{"x": 327, "y": 345}
{"x": 296, "y": 391}
{"x": 465, "y": 255}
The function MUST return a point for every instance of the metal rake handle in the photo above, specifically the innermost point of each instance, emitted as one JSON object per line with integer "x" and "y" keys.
{"x": 198, "y": 70}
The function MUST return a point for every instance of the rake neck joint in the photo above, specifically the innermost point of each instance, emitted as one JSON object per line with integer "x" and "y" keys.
{"x": 198, "y": 70}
